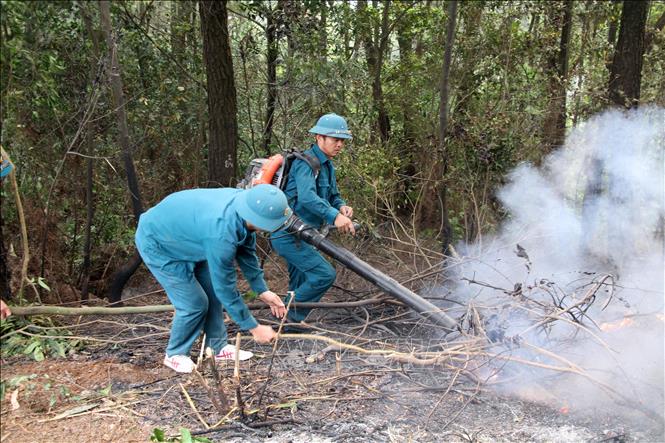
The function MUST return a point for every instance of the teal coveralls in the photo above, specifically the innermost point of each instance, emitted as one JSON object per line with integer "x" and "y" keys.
{"x": 190, "y": 242}
{"x": 316, "y": 201}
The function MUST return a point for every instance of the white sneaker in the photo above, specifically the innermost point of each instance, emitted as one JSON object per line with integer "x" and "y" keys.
{"x": 179, "y": 363}
{"x": 228, "y": 352}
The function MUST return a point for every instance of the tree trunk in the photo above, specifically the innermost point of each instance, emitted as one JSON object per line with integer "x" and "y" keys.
{"x": 577, "y": 95}
{"x": 271, "y": 65}
{"x": 375, "y": 38}
{"x": 554, "y": 127}
{"x": 222, "y": 105}
{"x": 5, "y": 275}
{"x": 447, "y": 235}
{"x": 408, "y": 148}
{"x": 139, "y": 47}
{"x": 626, "y": 70}
{"x": 5, "y": 75}
{"x": 123, "y": 135}
{"x": 648, "y": 39}
{"x": 323, "y": 32}
{"x": 89, "y": 202}
{"x": 180, "y": 17}
{"x": 612, "y": 27}
{"x": 119, "y": 100}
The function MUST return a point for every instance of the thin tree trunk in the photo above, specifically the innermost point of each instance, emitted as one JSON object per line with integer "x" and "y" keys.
{"x": 5, "y": 275}
{"x": 271, "y": 85}
{"x": 244, "y": 50}
{"x": 119, "y": 99}
{"x": 443, "y": 125}
{"x": 577, "y": 96}
{"x": 323, "y": 32}
{"x": 375, "y": 39}
{"x": 377, "y": 88}
{"x": 554, "y": 127}
{"x": 24, "y": 231}
{"x": 123, "y": 136}
{"x": 409, "y": 146}
{"x": 648, "y": 39}
{"x": 90, "y": 207}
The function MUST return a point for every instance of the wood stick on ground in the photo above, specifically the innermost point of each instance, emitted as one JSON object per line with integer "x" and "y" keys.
{"x": 210, "y": 391}
{"x": 272, "y": 355}
{"x": 62, "y": 310}
{"x": 219, "y": 398}
{"x": 191, "y": 404}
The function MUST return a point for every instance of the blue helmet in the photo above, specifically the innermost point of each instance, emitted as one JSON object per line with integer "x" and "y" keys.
{"x": 264, "y": 206}
{"x": 331, "y": 125}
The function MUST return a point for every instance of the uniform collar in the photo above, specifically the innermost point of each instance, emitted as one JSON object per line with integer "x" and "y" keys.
{"x": 319, "y": 153}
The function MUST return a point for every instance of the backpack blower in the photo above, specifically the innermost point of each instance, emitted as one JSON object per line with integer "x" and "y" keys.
{"x": 274, "y": 170}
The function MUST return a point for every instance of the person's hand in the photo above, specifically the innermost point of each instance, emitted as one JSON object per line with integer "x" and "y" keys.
{"x": 276, "y": 304}
{"x": 346, "y": 211}
{"x": 4, "y": 310}
{"x": 263, "y": 334}
{"x": 344, "y": 224}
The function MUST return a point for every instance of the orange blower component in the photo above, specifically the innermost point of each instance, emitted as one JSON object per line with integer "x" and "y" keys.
{"x": 267, "y": 172}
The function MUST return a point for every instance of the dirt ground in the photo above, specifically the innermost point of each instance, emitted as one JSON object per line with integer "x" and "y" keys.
{"x": 121, "y": 393}
{"x": 115, "y": 388}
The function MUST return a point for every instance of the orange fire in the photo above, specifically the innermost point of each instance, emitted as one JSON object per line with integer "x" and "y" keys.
{"x": 613, "y": 326}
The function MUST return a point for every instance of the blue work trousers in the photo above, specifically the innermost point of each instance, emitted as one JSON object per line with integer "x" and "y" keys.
{"x": 310, "y": 275}
{"x": 189, "y": 288}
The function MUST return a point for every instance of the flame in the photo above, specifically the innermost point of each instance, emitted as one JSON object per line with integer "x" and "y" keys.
{"x": 619, "y": 324}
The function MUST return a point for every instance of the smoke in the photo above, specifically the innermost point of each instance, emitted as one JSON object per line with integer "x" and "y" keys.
{"x": 584, "y": 228}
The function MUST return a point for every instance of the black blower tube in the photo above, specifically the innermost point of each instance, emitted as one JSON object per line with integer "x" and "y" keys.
{"x": 389, "y": 285}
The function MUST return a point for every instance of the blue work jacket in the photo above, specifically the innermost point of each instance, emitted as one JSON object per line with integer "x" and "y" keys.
{"x": 202, "y": 225}
{"x": 315, "y": 200}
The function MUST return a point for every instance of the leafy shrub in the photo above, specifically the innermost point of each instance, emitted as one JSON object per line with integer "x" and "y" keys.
{"x": 37, "y": 338}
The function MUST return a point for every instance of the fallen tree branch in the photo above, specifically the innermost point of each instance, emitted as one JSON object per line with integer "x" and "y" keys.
{"x": 62, "y": 310}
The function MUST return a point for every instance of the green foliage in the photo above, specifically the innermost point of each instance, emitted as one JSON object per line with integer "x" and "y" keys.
{"x": 499, "y": 98}
{"x": 43, "y": 340}
{"x": 158, "y": 435}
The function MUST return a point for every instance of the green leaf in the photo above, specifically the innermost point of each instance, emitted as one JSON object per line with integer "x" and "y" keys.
{"x": 106, "y": 391}
{"x": 31, "y": 347}
{"x": 38, "y": 354}
{"x": 58, "y": 347}
{"x": 41, "y": 282}
{"x": 157, "y": 435}
{"x": 185, "y": 435}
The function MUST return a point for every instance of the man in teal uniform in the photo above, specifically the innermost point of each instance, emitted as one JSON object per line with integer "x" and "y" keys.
{"x": 316, "y": 200}
{"x": 190, "y": 242}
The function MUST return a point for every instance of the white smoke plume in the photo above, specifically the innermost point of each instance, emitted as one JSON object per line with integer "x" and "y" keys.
{"x": 588, "y": 221}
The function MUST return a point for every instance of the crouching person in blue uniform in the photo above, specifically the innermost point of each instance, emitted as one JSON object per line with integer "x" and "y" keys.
{"x": 317, "y": 201}
{"x": 191, "y": 242}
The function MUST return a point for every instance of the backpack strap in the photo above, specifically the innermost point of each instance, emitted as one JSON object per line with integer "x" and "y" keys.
{"x": 311, "y": 160}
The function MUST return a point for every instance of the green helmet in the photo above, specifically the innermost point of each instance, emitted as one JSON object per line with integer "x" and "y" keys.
{"x": 331, "y": 125}
{"x": 264, "y": 206}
